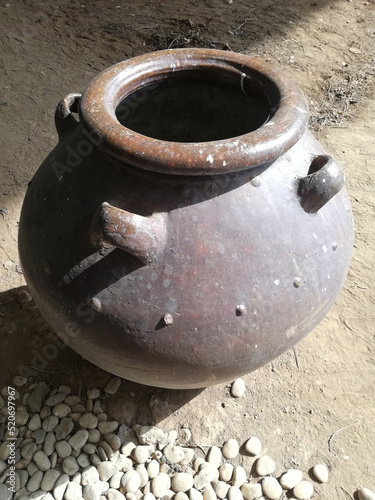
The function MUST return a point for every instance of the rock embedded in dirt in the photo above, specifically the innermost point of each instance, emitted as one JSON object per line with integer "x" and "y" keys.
{"x": 320, "y": 472}
{"x": 303, "y": 491}
{"x": 238, "y": 388}
{"x": 291, "y": 478}
{"x": 366, "y": 494}
{"x": 265, "y": 466}
{"x": 271, "y": 488}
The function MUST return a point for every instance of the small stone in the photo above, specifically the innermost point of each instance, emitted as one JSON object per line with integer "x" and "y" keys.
{"x": 113, "y": 441}
{"x": 320, "y": 472}
{"x": 291, "y": 478}
{"x": 93, "y": 393}
{"x": 239, "y": 476}
{"x": 106, "y": 427}
{"x": 131, "y": 481}
{"x": 49, "y": 443}
{"x": 230, "y": 449}
{"x": 234, "y": 493}
{"x": 182, "y": 482}
{"x": 64, "y": 428}
{"x": 55, "y": 399}
{"x": 39, "y": 436}
{"x": 79, "y": 439}
{"x": 83, "y": 460}
{"x": 160, "y": 485}
{"x": 37, "y": 396}
{"x": 195, "y": 494}
{"x": 209, "y": 493}
{"x": 89, "y": 448}
{"x": 31, "y": 468}
{"x": 271, "y": 488}
{"x": 88, "y": 421}
{"x": 28, "y": 450}
{"x": 238, "y": 388}
{"x": 61, "y": 410}
{"x": 153, "y": 469}
{"x": 64, "y": 388}
{"x": 205, "y": 476}
{"x": 303, "y": 490}
{"x": 107, "y": 449}
{"x": 253, "y": 446}
{"x": 89, "y": 475}
{"x": 35, "y": 422}
{"x": 214, "y": 456}
{"x": 41, "y": 460}
{"x": 106, "y": 470}
{"x": 93, "y": 491}
{"x": 3, "y": 466}
{"x": 180, "y": 496}
{"x": 78, "y": 408}
{"x": 221, "y": 489}
{"x": 21, "y": 418}
{"x": 60, "y": 487}
{"x": 113, "y": 385}
{"x": 49, "y": 479}
{"x": 226, "y": 472}
{"x": 70, "y": 466}
{"x": 150, "y": 435}
{"x": 94, "y": 436}
{"x": 174, "y": 454}
{"x": 19, "y": 381}
{"x": 141, "y": 453}
{"x": 45, "y": 412}
{"x": 265, "y": 466}
{"x": 63, "y": 449}
{"x": 73, "y": 491}
{"x": 33, "y": 483}
{"x": 251, "y": 491}
{"x": 189, "y": 455}
{"x": 71, "y": 400}
{"x": 366, "y": 494}
{"x": 113, "y": 494}
{"x": 115, "y": 481}
{"x": 50, "y": 423}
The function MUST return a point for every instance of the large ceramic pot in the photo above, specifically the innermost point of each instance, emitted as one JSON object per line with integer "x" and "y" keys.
{"x": 187, "y": 229}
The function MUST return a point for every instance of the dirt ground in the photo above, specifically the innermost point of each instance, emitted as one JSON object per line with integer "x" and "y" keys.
{"x": 315, "y": 403}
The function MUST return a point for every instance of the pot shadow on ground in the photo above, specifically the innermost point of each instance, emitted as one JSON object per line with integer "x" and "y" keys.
{"x": 30, "y": 348}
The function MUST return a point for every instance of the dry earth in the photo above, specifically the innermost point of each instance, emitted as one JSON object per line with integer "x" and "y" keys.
{"x": 315, "y": 403}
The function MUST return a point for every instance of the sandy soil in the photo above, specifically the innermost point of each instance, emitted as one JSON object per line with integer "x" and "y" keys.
{"x": 315, "y": 403}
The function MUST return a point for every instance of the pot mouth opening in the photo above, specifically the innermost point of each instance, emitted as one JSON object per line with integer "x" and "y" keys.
{"x": 193, "y": 111}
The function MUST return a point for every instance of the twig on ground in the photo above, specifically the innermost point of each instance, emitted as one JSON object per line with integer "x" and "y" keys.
{"x": 347, "y": 492}
{"x": 339, "y": 430}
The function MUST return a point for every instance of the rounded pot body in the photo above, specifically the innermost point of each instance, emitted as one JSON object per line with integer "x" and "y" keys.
{"x": 178, "y": 269}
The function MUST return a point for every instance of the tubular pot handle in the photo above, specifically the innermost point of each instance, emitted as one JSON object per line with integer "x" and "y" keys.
{"x": 143, "y": 237}
{"x": 323, "y": 181}
{"x": 65, "y": 122}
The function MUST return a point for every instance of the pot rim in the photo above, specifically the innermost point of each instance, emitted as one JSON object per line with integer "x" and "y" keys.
{"x": 265, "y": 144}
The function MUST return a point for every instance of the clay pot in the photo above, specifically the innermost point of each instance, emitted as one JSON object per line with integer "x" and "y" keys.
{"x": 188, "y": 228}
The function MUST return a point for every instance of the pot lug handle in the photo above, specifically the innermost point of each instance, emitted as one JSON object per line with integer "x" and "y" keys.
{"x": 143, "y": 237}
{"x": 323, "y": 181}
{"x": 65, "y": 122}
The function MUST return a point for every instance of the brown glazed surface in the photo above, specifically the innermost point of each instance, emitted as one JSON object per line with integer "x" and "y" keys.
{"x": 185, "y": 280}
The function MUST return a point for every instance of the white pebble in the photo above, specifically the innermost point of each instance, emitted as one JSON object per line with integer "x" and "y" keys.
{"x": 142, "y": 472}
{"x": 113, "y": 385}
{"x": 291, "y": 478}
{"x": 271, "y": 488}
{"x": 230, "y": 449}
{"x": 214, "y": 456}
{"x": 234, "y": 493}
{"x": 303, "y": 490}
{"x": 106, "y": 470}
{"x": 226, "y": 472}
{"x": 174, "y": 454}
{"x": 205, "y": 476}
{"x": 366, "y": 494}
{"x": 182, "y": 482}
{"x": 251, "y": 491}
{"x": 253, "y": 446}
{"x": 160, "y": 485}
{"x": 221, "y": 489}
{"x": 131, "y": 481}
{"x": 153, "y": 469}
{"x": 93, "y": 491}
{"x": 265, "y": 465}
{"x": 195, "y": 494}
{"x": 320, "y": 472}
{"x": 238, "y": 388}
{"x": 209, "y": 493}
{"x": 113, "y": 494}
{"x": 115, "y": 481}
{"x": 60, "y": 487}
{"x": 239, "y": 476}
